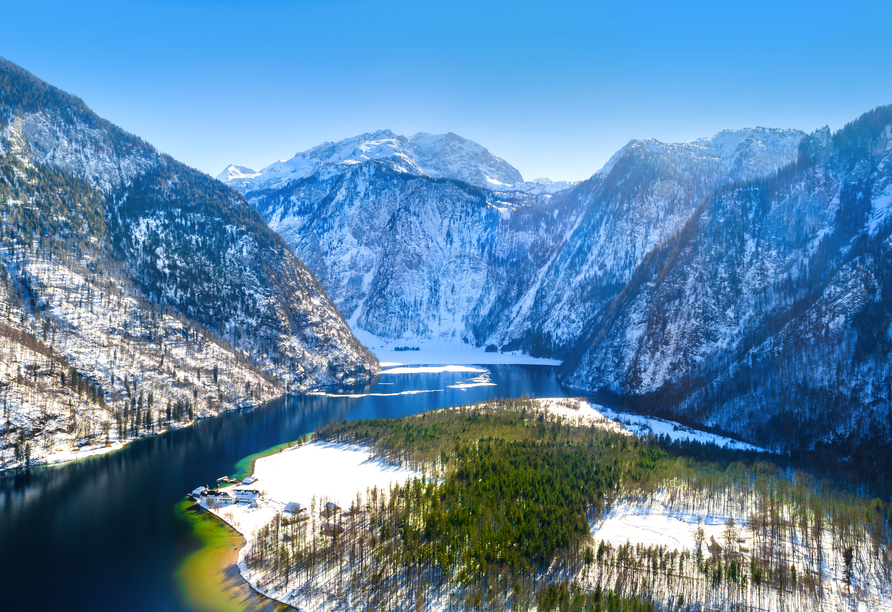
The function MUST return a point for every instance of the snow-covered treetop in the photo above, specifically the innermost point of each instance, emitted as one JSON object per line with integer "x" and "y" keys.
{"x": 439, "y": 156}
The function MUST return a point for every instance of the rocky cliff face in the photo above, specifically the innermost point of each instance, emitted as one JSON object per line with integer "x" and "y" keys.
{"x": 641, "y": 197}
{"x": 528, "y": 265}
{"x": 407, "y": 256}
{"x": 768, "y": 313}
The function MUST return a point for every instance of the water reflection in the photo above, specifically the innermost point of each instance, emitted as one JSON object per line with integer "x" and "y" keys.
{"x": 103, "y": 534}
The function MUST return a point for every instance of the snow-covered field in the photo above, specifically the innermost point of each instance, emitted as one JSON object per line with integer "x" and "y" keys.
{"x": 678, "y": 519}
{"x": 576, "y": 410}
{"x": 655, "y": 522}
{"x": 642, "y": 425}
{"x": 312, "y": 475}
{"x": 439, "y": 352}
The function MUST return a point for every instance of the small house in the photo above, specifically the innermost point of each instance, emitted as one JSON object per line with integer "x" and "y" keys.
{"x": 245, "y": 496}
{"x": 249, "y": 480}
{"x": 294, "y": 508}
{"x": 330, "y": 509}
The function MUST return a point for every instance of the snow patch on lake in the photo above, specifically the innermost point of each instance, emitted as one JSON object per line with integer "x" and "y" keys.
{"x": 433, "y": 370}
{"x": 478, "y": 381}
{"x": 432, "y": 351}
{"x": 356, "y": 395}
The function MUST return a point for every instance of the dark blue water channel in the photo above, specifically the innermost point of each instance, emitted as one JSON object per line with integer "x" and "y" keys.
{"x": 102, "y": 534}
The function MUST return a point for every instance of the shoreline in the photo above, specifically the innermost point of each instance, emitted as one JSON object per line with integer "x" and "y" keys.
{"x": 262, "y": 466}
{"x": 208, "y": 578}
{"x": 349, "y": 470}
{"x": 672, "y": 518}
{"x": 62, "y": 458}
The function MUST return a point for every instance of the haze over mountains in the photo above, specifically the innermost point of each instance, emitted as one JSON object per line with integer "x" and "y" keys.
{"x": 601, "y": 273}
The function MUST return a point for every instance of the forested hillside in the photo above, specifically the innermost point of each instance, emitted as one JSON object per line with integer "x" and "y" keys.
{"x": 138, "y": 293}
{"x": 514, "y": 510}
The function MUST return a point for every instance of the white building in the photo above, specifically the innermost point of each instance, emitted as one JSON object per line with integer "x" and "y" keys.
{"x": 245, "y": 496}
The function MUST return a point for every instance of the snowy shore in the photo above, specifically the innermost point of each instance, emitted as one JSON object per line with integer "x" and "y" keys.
{"x": 576, "y": 410}
{"x": 318, "y": 473}
{"x": 433, "y": 351}
{"x": 313, "y": 475}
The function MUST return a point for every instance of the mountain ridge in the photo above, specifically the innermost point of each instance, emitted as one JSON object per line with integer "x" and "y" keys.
{"x": 438, "y": 156}
{"x": 797, "y": 292}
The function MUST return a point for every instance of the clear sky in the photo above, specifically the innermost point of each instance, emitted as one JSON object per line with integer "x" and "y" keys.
{"x": 553, "y": 87}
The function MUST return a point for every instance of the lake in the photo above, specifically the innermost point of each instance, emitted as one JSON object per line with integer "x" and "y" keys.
{"x": 108, "y": 533}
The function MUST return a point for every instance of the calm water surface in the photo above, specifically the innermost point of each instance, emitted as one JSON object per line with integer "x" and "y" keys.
{"x": 104, "y": 534}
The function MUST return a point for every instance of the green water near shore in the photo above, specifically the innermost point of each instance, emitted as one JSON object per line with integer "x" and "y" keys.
{"x": 135, "y": 536}
{"x": 245, "y": 467}
{"x": 208, "y": 578}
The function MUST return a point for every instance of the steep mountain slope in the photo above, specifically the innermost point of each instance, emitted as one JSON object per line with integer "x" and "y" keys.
{"x": 157, "y": 285}
{"x": 408, "y": 256}
{"x": 769, "y": 313}
{"x": 641, "y": 197}
{"x": 402, "y": 235}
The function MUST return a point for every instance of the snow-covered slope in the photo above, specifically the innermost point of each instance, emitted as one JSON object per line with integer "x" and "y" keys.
{"x": 167, "y": 255}
{"x": 642, "y": 196}
{"x": 451, "y": 156}
{"x": 408, "y": 256}
{"x": 530, "y": 265}
{"x": 237, "y": 176}
{"x": 769, "y": 313}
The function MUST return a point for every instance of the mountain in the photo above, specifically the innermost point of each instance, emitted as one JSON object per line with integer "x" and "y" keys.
{"x": 642, "y": 196}
{"x": 406, "y": 255}
{"x": 768, "y": 314}
{"x": 236, "y": 176}
{"x": 437, "y": 156}
{"x": 403, "y": 252}
{"x": 736, "y": 281}
{"x": 139, "y": 293}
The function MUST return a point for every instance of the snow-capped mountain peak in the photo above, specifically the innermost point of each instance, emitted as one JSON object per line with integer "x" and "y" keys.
{"x": 752, "y": 151}
{"x": 237, "y": 176}
{"x": 439, "y": 156}
{"x": 451, "y": 156}
{"x": 233, "y": 172}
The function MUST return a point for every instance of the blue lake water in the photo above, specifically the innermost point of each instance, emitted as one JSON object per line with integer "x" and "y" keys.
{"x": 103, "y": 534}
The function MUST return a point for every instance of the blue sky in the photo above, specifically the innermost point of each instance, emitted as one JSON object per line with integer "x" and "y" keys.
{"x": 553, "y": 87}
